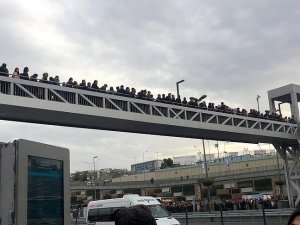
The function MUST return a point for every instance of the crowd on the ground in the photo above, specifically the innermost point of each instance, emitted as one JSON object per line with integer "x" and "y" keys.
{"x": 246, "y": 204}
{"x": 143, "y": 94}
{"x": 227, "y": 205}
{"x": 180, "y": 206}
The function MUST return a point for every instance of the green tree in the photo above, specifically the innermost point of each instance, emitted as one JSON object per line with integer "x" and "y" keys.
{"x": 79, "y": 176}
{"x": 167, "y": 163}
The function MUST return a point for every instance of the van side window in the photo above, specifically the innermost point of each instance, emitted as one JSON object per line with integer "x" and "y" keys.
{"x": 93, "y": 215}
{"x": 102, "y": 214}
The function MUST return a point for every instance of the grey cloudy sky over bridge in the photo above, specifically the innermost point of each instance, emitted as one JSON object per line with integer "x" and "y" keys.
{"x": 229, "y": 50}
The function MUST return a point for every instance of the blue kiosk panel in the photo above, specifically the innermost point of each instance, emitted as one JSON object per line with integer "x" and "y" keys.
{"x": 45, "y": 198}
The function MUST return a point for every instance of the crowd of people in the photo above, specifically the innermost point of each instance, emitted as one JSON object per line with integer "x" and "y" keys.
{"x": 143, "y": 94}
{"x": 246, "y": 204}
{"x": 227, "y": 205}
{"x": 180, "y": 206}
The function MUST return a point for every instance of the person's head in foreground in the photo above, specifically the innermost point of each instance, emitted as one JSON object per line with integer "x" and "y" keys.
{"x": 136, "y": 215}
{"x": 295, "y": 218}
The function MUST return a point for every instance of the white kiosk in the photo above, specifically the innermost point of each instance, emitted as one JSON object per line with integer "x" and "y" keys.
{"x": 34, "y": 184}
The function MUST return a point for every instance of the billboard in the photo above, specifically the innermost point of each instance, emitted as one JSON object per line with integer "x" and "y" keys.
{"x": 45, "y": 194}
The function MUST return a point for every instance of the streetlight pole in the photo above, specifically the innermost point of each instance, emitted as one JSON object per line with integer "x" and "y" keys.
{"x": 219, "y": 164}
{"x": 257, "y": 99}
{"x": 95, "y": 191}
{"x": 228, "y": 172}
{"x": 144, "y": 163}
{"x": 157, "y": 155}
{"x": 177, "y": 86}
{"x": 217, "y": 146}
{"x": 206, "y": 174}
{"x": 279, "y": 179}
{"x": 89, "y": 164}
{"x": 199, "y": 153}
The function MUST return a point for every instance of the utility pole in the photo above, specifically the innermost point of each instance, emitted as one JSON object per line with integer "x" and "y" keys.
{"x": 257, "y": 99}
{"x": 217, "y": 146}
{"x": 144, "y": 167}
{"x": 177, "y": 86}
{"x": 95, "y": 191}
{"x": 206, "y": 175}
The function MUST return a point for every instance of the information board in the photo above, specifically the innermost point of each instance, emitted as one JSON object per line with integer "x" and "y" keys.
{"x": 45, "y": 198}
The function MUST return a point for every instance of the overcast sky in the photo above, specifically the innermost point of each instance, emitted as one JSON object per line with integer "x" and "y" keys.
{"x": 229, "y": 50}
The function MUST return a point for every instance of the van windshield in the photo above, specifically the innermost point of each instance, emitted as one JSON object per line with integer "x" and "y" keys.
{"x": 158, "y": 211}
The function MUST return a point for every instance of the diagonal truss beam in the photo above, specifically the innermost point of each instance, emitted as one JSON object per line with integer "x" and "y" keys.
{"x": 114, "y": 104}
{"x": 58, "y": 95}
{"x": 26, "y": 91}
{"x": 176, "y": 115}
{"x": 89, "y": 101}
{"x": 138, "y": 108}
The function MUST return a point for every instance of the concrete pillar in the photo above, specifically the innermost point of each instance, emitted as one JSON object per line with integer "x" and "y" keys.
{"x": 294, "y": 106}
{"x": 272, "y": 105}
{"x": 288, "y": 180}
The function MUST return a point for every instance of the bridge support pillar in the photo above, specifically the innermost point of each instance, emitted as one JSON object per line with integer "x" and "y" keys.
{"x": 291, "y": 157}
{"x": 287, "y": 94}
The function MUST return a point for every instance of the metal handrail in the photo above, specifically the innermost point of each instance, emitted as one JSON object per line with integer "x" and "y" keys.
{"x": 235, "y": 213}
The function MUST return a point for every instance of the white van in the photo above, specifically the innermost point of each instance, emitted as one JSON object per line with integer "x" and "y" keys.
{"x": 102, "y": 212}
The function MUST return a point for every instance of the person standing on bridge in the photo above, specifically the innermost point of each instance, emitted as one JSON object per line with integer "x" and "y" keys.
{"x": 95, "y": 86}
{"x": 4, "y": 86}
{"x": 16, "y": 73}
{"x": 44, "y": 78}
{"x": 25, "y": 75}
{"x": 3, "y": 70}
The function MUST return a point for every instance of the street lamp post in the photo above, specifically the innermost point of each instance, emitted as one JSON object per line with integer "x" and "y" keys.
{"x": 257, "y": 99}
{"x": 89, "y": 169}
{"x": 95, "y": 191}
{"x": 228, "y": 172}
{"x": 157, "y": 155}
{"x": 144, "y": 163}
{"x": 206, "y": 174}
{"x": 199, "y": 153}
{"x": 177, "y": 86}
{"x": 217, "y": 146}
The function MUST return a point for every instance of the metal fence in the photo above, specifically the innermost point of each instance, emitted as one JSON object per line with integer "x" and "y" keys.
{"x": 247, "y": 217}
{"x": 257, "y": 217}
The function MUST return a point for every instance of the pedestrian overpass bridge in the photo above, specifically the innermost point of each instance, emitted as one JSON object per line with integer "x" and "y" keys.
{"x": 34, "y": 102}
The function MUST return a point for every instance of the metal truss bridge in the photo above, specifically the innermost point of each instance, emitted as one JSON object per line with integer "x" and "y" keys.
{"x": 34, "y": 102}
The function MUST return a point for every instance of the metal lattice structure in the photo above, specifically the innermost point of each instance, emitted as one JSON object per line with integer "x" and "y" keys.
{"x": 58, "y": 105}
{"x": 29, "y": 101}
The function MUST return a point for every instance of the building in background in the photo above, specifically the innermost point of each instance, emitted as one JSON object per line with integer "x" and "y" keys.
{"x": 148, "y": 166}
{"x": 186, "y": 160}
{"x": 233, "y": 153}
{"x": 260, "y": 152}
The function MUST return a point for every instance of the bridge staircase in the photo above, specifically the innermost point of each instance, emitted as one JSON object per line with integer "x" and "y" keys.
{"x": 289, "y": 151}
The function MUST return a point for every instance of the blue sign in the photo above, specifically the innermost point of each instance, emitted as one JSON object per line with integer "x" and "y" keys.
{"x": 45, "y": 198}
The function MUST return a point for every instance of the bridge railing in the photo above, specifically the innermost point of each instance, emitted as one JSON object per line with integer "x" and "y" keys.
{"x": 116, "y": 101}
{"x": 227, "y": 175}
